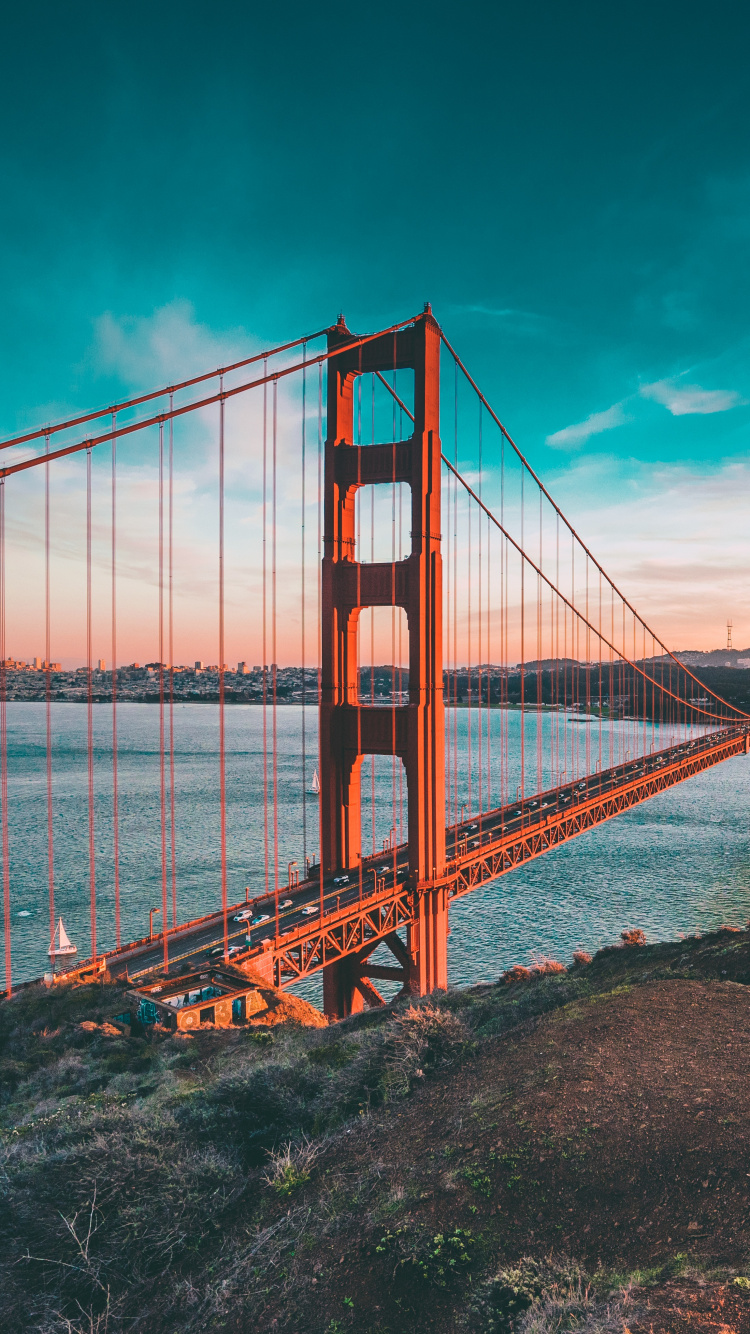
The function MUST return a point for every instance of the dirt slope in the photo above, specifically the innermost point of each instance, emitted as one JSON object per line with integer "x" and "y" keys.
{"x": 615, "y": 1129}
{"x": 567, "y": 1150}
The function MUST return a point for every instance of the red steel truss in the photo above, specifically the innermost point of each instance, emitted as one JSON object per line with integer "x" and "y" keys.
{"x": 348, "y": 935}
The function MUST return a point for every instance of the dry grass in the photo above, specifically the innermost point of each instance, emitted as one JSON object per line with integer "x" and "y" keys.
{"x": 291, "y": 1164}
{"x": 153, "y": 1184}
{"x": 633, "y": 937}
{"x": 541, "y": 968}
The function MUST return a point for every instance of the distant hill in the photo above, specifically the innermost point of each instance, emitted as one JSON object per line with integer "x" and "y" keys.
{"x": 717, "y": 657}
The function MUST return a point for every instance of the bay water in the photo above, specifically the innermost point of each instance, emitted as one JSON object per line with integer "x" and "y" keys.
{"x": 676, "y": 864}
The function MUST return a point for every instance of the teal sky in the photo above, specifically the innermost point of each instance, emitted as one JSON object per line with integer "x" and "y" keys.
{"x": 569, "y": 185}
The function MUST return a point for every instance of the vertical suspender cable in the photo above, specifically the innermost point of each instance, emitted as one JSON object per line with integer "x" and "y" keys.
{"x": 274, "y": 714}
{"x": 222, "y": 737}
{"x": 489, "y": 660}
{"x": 90, "y": 710}
{"x": 170, "y": 616}
{"x": 400, "y": 638}
{"x": 115, "y": 786}
{"x": 447, "y": 597}
{"x": 504, "y": 721}
{"x": 4, "y": 748}
{"x": 372, "y": 628}
{"x": 162, "y": 765}
{"x": 539, "y": 658}
{"x": 469, "y": 651}
{"x": 48, "y": 700}
{"x": 523, "y": 650}
{"x": 455, "y": 594}
{"x": 611, "y": 760}
{"x": 302, "y": 616}
{"x": 358, "y": 693}
{"x": 652, "y": 696}
{"x": 601, "y": 701}
{"x": 265, "y": 628}
{"x": 480, "y": 737}
{"x": 588, "y": 672}
{"x": 319, "y": 618}
{"x": 644, "y": 743}
{"x": 393, "y": 621}
{"x": 554, "y": 676}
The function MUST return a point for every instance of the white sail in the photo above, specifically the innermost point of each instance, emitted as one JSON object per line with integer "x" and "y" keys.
{"x": 315, "y": 783}
{"x": 62, "y": 943}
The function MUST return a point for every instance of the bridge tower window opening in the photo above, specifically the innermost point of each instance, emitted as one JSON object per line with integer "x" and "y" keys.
{"x": 383, "y": 523}
{"x": 385, "y": 809}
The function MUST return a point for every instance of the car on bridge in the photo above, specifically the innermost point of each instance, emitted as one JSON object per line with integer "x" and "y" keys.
{"x": 244, "y": 915}
{"x": 341, "y": 880}
{"x": 286, "y": 904}
{"x": 311, "y": 909}
{"x": 262, "y": 917}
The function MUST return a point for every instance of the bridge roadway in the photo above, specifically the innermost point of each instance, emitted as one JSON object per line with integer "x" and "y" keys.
{"x": 374, "y": 899}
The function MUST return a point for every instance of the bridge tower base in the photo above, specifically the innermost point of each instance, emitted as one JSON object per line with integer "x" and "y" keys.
{"x": 349, "y": 729}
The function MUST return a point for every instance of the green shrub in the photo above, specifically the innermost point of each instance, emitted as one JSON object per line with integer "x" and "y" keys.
{"x": 438, "y": 1258}
{"x": 501, "y": 1300}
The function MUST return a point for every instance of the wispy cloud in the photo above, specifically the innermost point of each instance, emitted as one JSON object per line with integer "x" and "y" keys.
{"x": 570, "y": 437}
{"x": 169, "y": 344}
{"x": 675, "y": 539}
{"x": 525, "y": 323}
{"x": 684, "y": 399}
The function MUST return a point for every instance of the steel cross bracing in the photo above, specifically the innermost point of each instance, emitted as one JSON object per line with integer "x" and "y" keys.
{"x": 543, "y": 826}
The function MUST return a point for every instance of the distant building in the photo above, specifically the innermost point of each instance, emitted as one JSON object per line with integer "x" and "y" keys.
{"x": 38, "y": 664}
{"x": 242, "y": 669}
{"x": 199, "y": 666}
{"x": 102, "y": 665}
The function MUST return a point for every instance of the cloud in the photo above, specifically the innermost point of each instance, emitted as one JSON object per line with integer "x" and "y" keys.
{"x": 169, "y": 344}
{"x": 524, "y": 323}
{"x": 675, "y": 540}
{"x": 684, "y": 399}
{"x": 572, "y": 436}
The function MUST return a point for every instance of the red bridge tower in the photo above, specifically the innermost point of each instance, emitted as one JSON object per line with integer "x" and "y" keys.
{"x": 415, "y": 732}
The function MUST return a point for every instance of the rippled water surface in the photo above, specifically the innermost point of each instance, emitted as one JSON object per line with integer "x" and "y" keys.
{"x": 678, "y": 863}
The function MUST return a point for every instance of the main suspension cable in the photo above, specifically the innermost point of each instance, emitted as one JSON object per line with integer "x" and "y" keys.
{"x": 170, "y": 390}
{"x": 566, "y": 521}
{"x": 183, "y": 409}
{"x": 526, "y": 560}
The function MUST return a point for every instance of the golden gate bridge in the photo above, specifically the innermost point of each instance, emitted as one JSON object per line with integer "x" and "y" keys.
{"x": 487, "y": 601}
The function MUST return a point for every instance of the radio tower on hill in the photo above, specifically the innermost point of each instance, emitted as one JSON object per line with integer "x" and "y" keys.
{"x": 729, "y": 634}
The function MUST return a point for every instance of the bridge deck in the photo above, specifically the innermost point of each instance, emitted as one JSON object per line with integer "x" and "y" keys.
{"x": 324, "y": 923}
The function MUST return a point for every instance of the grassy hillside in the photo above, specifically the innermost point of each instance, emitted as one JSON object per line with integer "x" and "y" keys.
{"x": 559, "y": 1150}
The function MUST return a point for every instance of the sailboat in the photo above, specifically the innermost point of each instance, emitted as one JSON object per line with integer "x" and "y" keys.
{"x": 315, "y": 789}
{"x": 61, "y": 945}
